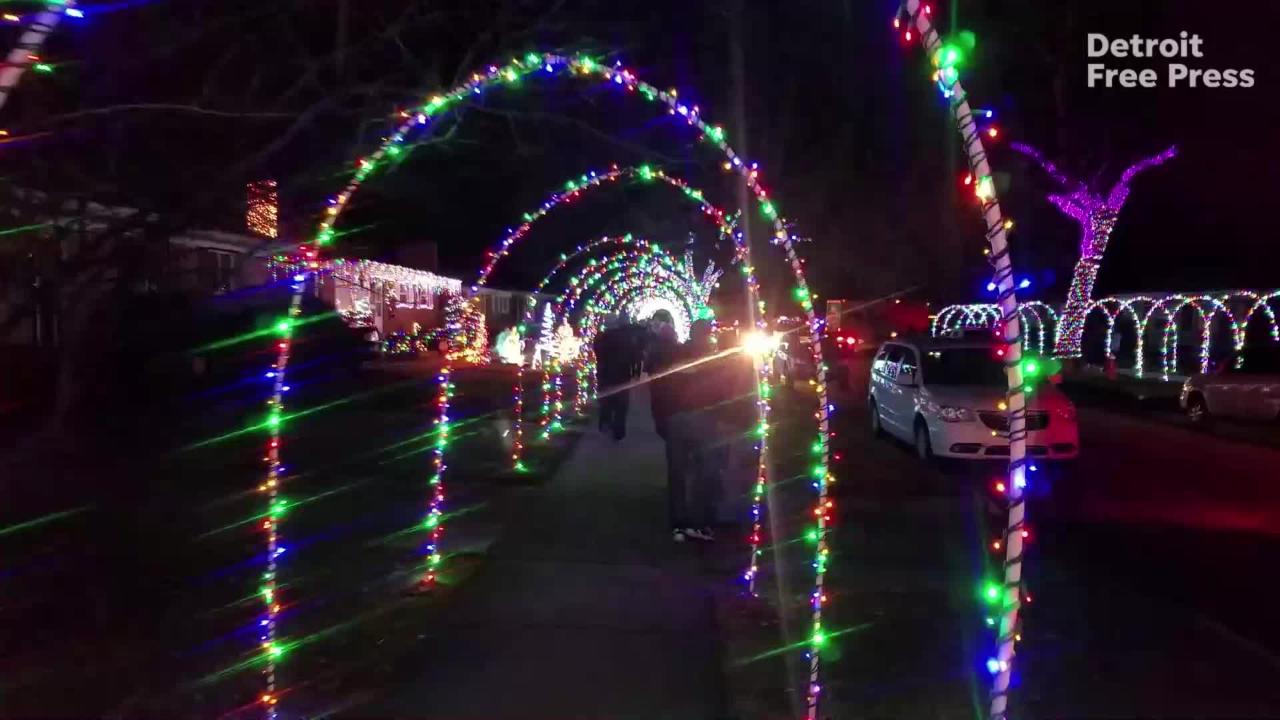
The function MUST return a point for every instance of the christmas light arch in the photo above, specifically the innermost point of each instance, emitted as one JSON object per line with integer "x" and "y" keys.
{"x": 576, "y": 188}
{"x": 1159, "y": 315}
{"x": 650, "y": 263}
{"x": 742, "y": 255}
{"x": 633, "y": 286}
{"x": 586, "y": 249}
{"x": 1142, "y": 310}
{"x": 954, "y": 318}
{"x": 693, "y": 291}
{"x": 412, "y": 121}
{"x": 624, "y": 292}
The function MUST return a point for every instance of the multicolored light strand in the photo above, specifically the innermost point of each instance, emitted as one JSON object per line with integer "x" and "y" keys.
{"x": 434, "y": 521}
{"x": 269, "y": 589}
{"x": 917, "y": 16}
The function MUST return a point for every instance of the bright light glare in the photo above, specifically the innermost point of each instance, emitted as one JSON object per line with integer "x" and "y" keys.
{"x": 761, "y": 344}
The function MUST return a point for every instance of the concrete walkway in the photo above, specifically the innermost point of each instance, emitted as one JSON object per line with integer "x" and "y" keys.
{"x": 586, "y": 608}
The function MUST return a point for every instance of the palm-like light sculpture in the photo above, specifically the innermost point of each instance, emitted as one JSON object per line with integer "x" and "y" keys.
{"x": 1096, "y": 212}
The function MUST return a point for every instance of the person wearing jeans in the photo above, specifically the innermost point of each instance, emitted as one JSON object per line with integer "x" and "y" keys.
{"x": 712, "y": 394}
{"x": 694, "y": 461}
{"x": 614, "y": 368}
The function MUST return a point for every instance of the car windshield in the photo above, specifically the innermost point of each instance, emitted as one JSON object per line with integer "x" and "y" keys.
{"x": 962, "y": 366}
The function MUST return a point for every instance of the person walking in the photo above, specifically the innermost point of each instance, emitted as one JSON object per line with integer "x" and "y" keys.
{"x": 614, "y": 365}
{"x": 713, "y": 396}
{"x": 660, "y": 356}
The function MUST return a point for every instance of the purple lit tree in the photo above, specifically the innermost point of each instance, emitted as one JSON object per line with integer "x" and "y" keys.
{"x": 1096, "y": 212}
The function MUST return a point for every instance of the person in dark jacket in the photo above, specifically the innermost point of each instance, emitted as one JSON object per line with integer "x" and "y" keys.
{"x": 660, "y": 355}
{"x": 615, "y": 364}
{"x": 713, "y": 402}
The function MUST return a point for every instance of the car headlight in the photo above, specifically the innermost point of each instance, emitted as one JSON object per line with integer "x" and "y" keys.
{"x": 951, "y": 413}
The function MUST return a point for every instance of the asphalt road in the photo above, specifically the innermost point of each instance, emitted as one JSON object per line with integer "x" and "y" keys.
{"x": 1151, "y": 572}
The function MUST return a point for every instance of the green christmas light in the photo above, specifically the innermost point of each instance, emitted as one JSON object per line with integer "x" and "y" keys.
{"x": 990, "y": 593}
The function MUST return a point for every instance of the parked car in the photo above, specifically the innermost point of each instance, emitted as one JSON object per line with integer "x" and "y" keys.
{"x": 1246, "y": 386}
{"x": 946, "y": 397}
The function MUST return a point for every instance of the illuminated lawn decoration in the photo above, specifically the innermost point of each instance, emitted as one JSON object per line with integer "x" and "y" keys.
{"x": 262, "y": 211}
{"x": 581, "y": 67}
{"x": 1161, "y": 316}
{"x": 1035, "y": 315}
{"x": 1007, "y": 596}
{"x": 1096, "y": 213}
{"x": 466, "y": 331}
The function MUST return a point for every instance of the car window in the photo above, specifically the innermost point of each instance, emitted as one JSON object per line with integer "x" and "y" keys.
{"x": 963, "y": 366}
{"x": 892, "y": 359}
{"x": 909, "y": 364}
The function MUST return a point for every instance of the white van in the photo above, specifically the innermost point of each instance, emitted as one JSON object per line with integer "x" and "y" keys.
{"x": 946, "y": 397}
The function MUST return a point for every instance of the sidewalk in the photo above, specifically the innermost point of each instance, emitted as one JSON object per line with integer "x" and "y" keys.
{"x": 585, "y": 609}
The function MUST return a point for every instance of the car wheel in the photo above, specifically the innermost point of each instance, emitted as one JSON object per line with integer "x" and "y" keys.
{"x": 877, "y": 430}
{"x": 1197, "y": 410}
{"x": 924, "y": 449}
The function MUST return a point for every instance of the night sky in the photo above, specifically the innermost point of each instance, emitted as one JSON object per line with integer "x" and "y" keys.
{"x": 852, "y": 139}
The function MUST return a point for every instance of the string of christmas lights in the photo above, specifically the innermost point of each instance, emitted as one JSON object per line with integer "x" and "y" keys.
{"x": 434, "y": 521}
{"x": 946, "y": 59}
{"x": 269, "y": 589}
